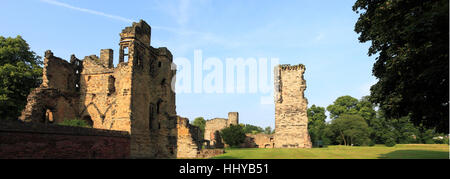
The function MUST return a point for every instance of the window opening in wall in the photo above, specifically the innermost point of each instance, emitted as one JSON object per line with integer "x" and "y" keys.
{"x": 158, "y": 106}
{"x": 151, "y": 116}
{"x": 49, "y": 116}
{"x": 125, "y": 54}
{"x": 111, "y": 85}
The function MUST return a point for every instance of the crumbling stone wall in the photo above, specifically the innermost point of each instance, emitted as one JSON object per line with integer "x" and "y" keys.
{"x": 213, "y": 127}
{"x": 291, "y": 121}
{"x": 135, "y": 96}
{"x": 56, "y": 99}
{"x": 188, "y": 143}
{"x": 260, "y": 140}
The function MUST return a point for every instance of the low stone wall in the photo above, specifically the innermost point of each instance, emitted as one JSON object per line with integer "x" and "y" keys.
{"x": 258, "y": 141}
{"x": 208, "y": 153}
{"x": 40, "y": 141}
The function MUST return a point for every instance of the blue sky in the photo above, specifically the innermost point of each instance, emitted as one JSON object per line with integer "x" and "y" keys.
{"x": 316, "y": 33}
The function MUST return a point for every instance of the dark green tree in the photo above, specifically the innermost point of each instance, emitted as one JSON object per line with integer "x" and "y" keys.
{"x": 200, "y": 123}
{"x": 351, "y": 105}
{"x": 233, "y": 135}
{"x": 316, "y": 125}
{"x": 350, "y": 129}
{"x": 410, "y": 39}
{"x": 268, "y": 130}
{"x": 20, "y": 72}
{"x": 316, "y": 113}
{"x": 343, "y": 105}
{"x": 251, "y": 129}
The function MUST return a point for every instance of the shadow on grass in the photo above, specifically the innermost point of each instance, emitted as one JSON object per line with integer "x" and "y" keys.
{"x": 224, "y": 157}
{"x": 415, "y": 154}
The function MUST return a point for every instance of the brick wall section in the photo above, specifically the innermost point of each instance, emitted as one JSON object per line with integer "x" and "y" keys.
{"x": 39, "y": 141}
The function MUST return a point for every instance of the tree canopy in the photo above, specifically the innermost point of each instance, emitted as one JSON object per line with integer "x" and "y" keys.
{"x": 410, "y": 39}
{"x": 200, "y": 122}
{"x": 350, "y": 129}
{"x": 20, "y": 72}
{"x": 233, "y": 135}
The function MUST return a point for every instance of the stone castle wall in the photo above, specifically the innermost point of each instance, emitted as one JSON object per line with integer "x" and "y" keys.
{"x": 135, "y": 96}
{"x": 291, "y": 121}
{"x": 213, "y": 127}
{"x": 260, "y": 140}
{"x": 188, "y": 143}
{"x": 44, "y": 141}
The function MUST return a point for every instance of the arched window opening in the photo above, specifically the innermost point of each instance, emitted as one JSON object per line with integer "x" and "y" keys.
{"x": 111, "y": 85}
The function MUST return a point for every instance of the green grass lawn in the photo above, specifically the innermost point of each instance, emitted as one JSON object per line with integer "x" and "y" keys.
{"x": 399, "y": 151}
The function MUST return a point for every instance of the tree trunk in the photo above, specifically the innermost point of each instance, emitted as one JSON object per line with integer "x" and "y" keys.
{"x": 343, "y": 137}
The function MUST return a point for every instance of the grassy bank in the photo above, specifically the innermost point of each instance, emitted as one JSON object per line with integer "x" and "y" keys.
{"x": 400, "y": 151}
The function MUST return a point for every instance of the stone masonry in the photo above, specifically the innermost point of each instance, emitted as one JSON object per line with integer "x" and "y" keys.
{"x": 188, "y": 142}
{"x": 213, "y": 127}
{"x": 135, "y": 96}
{"x": 291, "y": 121}
{"x": 260, "y": 140}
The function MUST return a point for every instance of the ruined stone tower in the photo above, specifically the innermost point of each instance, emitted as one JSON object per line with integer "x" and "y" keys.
{"x": 213, "y": 127}
{"x": 135, "y": 96}
{"x": 291, "y": 121}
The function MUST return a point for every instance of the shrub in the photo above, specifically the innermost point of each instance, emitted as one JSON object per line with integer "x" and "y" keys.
{"x": 371, "y": 143}
{"x": 390, "y": 142}
{"x": 233, "y": 135}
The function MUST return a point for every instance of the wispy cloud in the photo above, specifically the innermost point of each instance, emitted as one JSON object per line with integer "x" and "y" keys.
{"x": 57, "y": 3}
{"x": 180, "y": 10}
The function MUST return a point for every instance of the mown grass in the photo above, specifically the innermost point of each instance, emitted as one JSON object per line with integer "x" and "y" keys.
{"x": 400, "y": 151}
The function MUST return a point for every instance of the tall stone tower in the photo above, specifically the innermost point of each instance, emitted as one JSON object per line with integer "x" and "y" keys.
{"x": 233, "y": 118}
{"x": 291, "y": 121}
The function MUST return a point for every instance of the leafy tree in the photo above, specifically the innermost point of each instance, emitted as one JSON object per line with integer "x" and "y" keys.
{"x": 366, "y": 109}
{"x": 343, "y": 105}
{"x": 351, "y": 105}
{"x": 410, "y": 39}
{"x": 251, "y": 129}
{"x": 233, "y": 135}
{"x": 350, "y": 129}
{"x": 200, "y": 123}
{"x": 404, "y": 130}
{"x": 316, "y": 113}
{"x": 20, "y": 72}
{"x": 316, "y": 124}
{"x": 268, "y": 130}
{"x": 425, "y": 135}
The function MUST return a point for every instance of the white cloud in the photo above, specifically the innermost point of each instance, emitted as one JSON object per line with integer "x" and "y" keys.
{"x": 57, "y": 3}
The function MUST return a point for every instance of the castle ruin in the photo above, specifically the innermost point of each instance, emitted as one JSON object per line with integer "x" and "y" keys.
{"x": 213, "y": 127}
{"x": 291, "y": 120}
{"x": 136, "y": 96}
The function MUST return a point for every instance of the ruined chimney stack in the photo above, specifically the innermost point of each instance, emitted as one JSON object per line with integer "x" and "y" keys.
{"x": 106, "y": 57}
